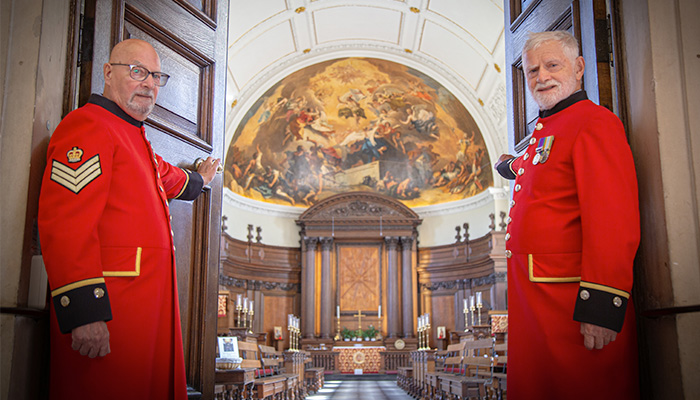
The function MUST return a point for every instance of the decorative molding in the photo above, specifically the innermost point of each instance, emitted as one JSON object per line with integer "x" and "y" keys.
{"x": 471, "y": 203}
{"x": 250, "y": 284}
{"x": 491, "y": 279}
{"x": 358, "y": 204}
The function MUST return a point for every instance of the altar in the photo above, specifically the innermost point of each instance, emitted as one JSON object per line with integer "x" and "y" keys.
{"x": 365, "y": 358}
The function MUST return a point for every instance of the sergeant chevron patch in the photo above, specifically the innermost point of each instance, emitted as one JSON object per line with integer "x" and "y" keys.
{"x": 76, "y": 180}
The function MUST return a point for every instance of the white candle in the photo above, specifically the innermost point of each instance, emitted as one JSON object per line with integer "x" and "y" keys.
{"x": 239, "y": 299}
{"x": 478, "y": 298}
{"x": 465, "y": 305}
{"x": 289, "y": 320}
{"x": 379, "y": 313}
{"x": 471, "y": 301}
{"x": 245, "y": 303}
{"x": 337, "y": 312}
{"x": 250, "y": 305}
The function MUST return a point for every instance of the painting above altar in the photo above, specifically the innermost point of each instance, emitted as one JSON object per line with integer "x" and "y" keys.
{"x": 357, "y": 124}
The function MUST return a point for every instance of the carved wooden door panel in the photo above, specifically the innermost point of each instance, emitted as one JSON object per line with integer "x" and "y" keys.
{"x": 588, "y": 21}
{"x": 187, "y": 123}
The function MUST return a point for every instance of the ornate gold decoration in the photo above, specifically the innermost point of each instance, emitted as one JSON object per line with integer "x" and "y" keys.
{"x": 359, "y": 357}
{"x": 409, "y": 51}
{"x": 306, "y": 51}
{"x": 414, "y": 9}
{"x": 300, "y": 10}
{"x": 498, "y": 69}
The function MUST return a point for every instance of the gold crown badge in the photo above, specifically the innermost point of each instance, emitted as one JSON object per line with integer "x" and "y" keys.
{"x": 74, "y": 155}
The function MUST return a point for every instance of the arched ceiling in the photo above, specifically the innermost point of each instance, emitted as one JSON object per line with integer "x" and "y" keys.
{"x": 459, "y": 43}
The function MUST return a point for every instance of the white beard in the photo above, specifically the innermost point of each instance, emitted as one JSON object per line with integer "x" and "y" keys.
{"x": 559, "y": 92}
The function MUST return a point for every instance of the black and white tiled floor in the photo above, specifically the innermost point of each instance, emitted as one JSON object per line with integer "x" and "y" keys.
{"x": 359, "y": 389}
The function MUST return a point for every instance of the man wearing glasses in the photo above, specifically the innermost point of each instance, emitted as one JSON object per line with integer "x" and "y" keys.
{"x": 107, "y": 242}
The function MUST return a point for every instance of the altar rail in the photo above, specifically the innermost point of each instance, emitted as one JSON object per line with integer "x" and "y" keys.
{"x": 326, "y": 359}
{"x": 393, "y": 360}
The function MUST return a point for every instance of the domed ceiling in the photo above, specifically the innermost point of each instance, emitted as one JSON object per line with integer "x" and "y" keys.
{"x": 405, "y": 98}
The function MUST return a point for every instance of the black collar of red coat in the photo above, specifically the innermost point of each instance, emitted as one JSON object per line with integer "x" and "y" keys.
{"x": 112, "y": 107}
{"x": 569, "y": 101}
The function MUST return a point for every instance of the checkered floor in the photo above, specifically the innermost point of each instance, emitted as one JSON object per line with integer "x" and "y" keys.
{"x": 357, "y": 389}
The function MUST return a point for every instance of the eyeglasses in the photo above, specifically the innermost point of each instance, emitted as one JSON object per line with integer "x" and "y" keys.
{"x": 140, "y": 73}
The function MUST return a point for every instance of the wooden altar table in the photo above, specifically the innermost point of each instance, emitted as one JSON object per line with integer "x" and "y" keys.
{"x": 366, "y": 358}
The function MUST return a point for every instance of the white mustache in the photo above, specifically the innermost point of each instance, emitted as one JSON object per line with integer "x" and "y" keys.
{"x": 546, "y": 84}
{"x": 146, "y": 93}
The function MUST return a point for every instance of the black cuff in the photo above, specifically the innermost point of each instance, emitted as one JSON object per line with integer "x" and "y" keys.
{"x": 193, "y": 186}
{"x": 83, "y": 305}
{"x": 505, "y": 170}
{"x": 600, "y": 307}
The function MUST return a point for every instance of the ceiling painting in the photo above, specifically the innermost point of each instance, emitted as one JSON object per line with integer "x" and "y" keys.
{"x": 354, "y": 124}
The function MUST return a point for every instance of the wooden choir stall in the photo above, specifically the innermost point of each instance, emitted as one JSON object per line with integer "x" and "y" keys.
{"x": 360, "y": 296}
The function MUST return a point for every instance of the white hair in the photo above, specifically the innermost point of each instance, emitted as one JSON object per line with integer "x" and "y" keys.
{"x": 568, "y": 42}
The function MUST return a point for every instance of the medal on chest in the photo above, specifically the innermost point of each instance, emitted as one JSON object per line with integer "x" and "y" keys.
{"x": 544, "y": 148}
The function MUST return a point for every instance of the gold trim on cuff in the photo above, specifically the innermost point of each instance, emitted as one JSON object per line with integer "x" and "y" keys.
{"x": 604, "y": 288}
{"x": 184, "y": 186}
{"x": 76, "y": 285}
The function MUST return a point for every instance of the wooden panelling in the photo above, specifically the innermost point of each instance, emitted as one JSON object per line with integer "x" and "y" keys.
{"x": 359, "y": 277}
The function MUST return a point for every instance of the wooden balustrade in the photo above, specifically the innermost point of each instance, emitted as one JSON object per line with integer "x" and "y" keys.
{"x": 393, "y": 360}
{"x": 326, "y": 359}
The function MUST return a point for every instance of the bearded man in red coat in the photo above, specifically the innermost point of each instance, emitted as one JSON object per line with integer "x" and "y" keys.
{"x": 106, "y": 239}
{"x": 573, "y": 231}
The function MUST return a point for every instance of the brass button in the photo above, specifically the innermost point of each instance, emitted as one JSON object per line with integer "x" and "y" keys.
{"x": 585, "y": 295}
{"x": 65, "y": 301}
{"x": 512, "y": 203}
{"x": 526, "y": 156}
{"x": 509, "y": 254}
{"x": 533, "y": 141}
{"x": 509, "y": 220}
{"x": 539, "y": 126}
{"x": 507, "y": 236}
{"x": 518, "y": 187}
{"x": 521, "y": 171}
{"x": 99, "y": 293}
{"x": 617, "y": 302}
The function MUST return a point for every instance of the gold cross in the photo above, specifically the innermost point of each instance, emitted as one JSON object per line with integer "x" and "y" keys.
{"x": 359, "y": 316}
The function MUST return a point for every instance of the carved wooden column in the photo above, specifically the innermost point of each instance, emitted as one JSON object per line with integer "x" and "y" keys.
{"x": 308, "y": 286}
{"x": 407, "y": 285}
{"x": 392, "y": 316}
{"x": 326, "y": 285}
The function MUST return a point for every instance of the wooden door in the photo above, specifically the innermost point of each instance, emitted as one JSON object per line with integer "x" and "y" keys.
{"x": 187, "y": 123}
{"x": 588, "y": 21}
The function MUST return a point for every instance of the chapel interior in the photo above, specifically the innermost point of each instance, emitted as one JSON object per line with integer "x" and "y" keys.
{"x": 357, "y": 231}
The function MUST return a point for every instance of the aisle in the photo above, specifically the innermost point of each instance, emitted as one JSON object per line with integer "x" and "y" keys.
{"x": 360, "y": 389}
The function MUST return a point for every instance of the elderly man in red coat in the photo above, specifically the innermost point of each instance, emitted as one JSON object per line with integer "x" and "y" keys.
{"x": 107, "y": 243}
{"x": 572, "y": 236}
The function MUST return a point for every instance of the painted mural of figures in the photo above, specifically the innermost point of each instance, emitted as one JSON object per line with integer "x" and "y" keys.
{"x": 350, "y": 105}
{"x": 254, "y": 169}
{"x": 464, "y": 144}
{"x": 271, "y": 107}
{"x": 423, "y": 121}
{"x": 341, "y": 114}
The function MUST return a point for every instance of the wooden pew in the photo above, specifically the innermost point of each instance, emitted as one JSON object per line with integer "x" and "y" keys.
{"x": 265, "y": 387}
{"x": 451, "y": 364}
{"x": 314, "y": 376}
{"x": 478, "y": 357}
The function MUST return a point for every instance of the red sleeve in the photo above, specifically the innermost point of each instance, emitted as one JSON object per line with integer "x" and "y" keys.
{"x": 179, "y": 183}
{"x": 607, "y": 191}
{"x": 73, "y": 196}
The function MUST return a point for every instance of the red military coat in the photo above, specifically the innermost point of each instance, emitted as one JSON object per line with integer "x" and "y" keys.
{"x": 107, "y": 244}
{"x": 572, "y": 236}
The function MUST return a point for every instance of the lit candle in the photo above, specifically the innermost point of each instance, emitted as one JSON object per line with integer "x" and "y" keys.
{"x": 239, "y": 300}
{"x": 379, "y": 313}
{"x": 478, "y": 299}
{"x": 337, "y": 312}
